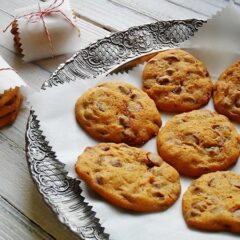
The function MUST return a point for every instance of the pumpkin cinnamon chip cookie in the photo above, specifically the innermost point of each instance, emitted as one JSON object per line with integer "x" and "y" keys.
{"x": 129, "y": 177}
{"x": 199, "y": 142}
{"x": 177, "y": 81}
{"x": 10, "y": 104}
{"x": 227, "y": 92}
{"x": 212, "y": 202}
{"x": 118, "y": 112}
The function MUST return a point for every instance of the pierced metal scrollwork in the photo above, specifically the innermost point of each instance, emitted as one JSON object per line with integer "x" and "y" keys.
{"x": 62, "y": 193}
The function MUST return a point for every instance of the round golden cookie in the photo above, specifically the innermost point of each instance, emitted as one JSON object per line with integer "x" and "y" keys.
{"x": 199, "y": 142}
{"x": 212, "y": 202}
{"x": 10, "y": 104}
{"x": 118, "y": 112}
{"x": 129, "y": 177}
{"x": 226, "y": 95}
{"x": 177, "y": 81}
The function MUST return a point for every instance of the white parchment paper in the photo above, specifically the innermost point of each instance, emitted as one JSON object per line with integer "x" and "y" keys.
{"x": 9, "y": 78}
{"x": 55, "y": 109}
{"x": 35, "y": 44}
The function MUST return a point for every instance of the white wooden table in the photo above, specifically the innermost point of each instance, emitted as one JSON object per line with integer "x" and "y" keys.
{"x": 23, "y": 213}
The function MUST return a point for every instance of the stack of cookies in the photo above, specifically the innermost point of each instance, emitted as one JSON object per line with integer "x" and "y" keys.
{"x": 10, "y": 103}
{"x": 194, "y": 143}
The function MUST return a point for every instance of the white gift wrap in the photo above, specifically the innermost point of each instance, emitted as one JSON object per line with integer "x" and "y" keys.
{"x": 55, "y": 110}
{"x": 9, "y": 78}
{"x": 34, "y": 40}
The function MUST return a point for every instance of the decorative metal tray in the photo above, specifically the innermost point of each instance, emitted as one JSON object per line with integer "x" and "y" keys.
{"x": 61, "y": 193}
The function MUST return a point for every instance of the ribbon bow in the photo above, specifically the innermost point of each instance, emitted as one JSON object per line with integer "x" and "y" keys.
{"x": 41, "y": 14}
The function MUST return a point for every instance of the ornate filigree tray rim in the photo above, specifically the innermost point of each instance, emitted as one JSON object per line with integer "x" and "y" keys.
{"x": 61, "y": 193}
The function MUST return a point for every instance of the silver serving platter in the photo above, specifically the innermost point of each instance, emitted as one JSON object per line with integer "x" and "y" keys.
{"x": 61, "y": 193}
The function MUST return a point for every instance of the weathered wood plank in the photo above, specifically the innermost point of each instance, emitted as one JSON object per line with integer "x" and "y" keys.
{"x": 198, "y": 6}
{"x": 160, "y": 10}
{"x": 14, "y": 225}
{"x": 11, "y": 5}
{"x": 217, "y": 3}
{"x": 18, "y": 188}
{"x": 109, "y": 15}
{"x": 115, "y": 17}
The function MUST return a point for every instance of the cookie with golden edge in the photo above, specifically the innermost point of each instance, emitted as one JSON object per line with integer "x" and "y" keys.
{"x": 177, "y": 81}
{"x": 129, "y": 177}
{"x": 118, "y": 112}
{"x": 226, "y": 95}
{"x": 199, "y": 142}
{"x": 10, "y": 104}
{"x": 212, "y": 202}
{"x": 8, "y": 119}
